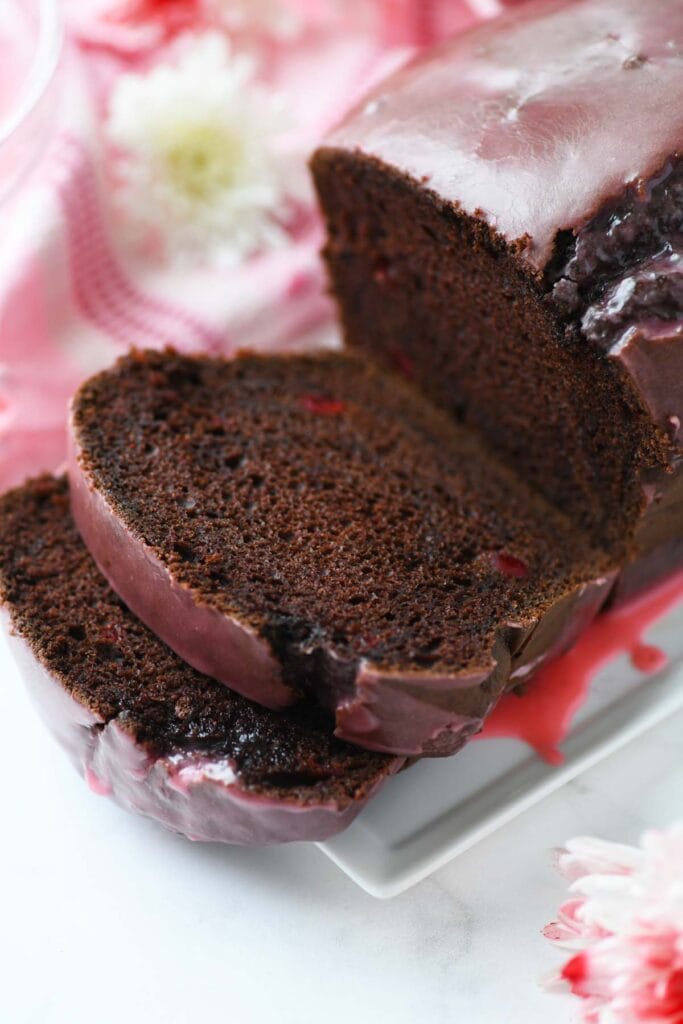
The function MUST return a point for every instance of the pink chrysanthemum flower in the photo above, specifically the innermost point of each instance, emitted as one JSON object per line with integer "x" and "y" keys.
{"x": 625, "y": 919}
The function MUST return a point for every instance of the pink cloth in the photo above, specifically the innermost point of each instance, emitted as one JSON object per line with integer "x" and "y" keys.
{"x": 72, "y": 299}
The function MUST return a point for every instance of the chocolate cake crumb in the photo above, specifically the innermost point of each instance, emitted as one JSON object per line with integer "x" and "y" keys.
{"x": 108, "y": 662}
{"x": 462, "y": 309}
{"x": 326, "y": 504}
{"x": 556, "y": 125}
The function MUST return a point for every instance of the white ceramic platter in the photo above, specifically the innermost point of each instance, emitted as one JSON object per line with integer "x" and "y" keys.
{"x": 428, "y": 815}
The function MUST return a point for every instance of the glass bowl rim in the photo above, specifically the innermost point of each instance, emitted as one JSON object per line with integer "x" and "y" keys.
{"x": 42, "y": 70}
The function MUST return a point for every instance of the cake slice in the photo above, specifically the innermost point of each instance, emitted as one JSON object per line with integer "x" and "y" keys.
{"x": 310, "y": 527}
{"x": 505, "y": 227}
{"x": 142, "y": 725}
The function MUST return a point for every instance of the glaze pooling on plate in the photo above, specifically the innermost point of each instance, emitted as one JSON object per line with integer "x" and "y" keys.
{"x": 543, "y": 713}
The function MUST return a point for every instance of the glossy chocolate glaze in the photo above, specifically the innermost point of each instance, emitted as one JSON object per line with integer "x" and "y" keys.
{"x": 652, "y": 291}
{"x": 622, "y": 286}
{"x": 641, "y": 228}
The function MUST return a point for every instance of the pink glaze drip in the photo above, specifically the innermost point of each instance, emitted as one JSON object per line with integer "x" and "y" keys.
{"x": 97, "y": 785}
{"x": 543, "y": 716}
{"x": 648, "y": 659}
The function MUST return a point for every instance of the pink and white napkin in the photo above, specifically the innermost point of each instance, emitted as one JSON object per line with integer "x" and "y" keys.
{"x": 74, "y": 291}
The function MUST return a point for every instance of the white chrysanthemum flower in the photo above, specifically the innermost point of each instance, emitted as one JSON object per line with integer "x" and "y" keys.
{"x": 200, "y": 160}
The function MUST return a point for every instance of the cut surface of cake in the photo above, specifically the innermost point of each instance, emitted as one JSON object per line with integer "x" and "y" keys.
{"x": 143, "y": 726}
{"x": 505, "y": 227}
{"x": 311, "y": 527}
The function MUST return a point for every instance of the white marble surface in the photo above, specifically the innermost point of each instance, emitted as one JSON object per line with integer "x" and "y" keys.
{"x": 108, "y": 919}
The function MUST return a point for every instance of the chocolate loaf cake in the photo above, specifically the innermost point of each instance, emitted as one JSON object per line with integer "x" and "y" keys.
{"x": 141, "y": 724}
{"x": 506, "y": 228}
{"x": 312, "y": 527}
